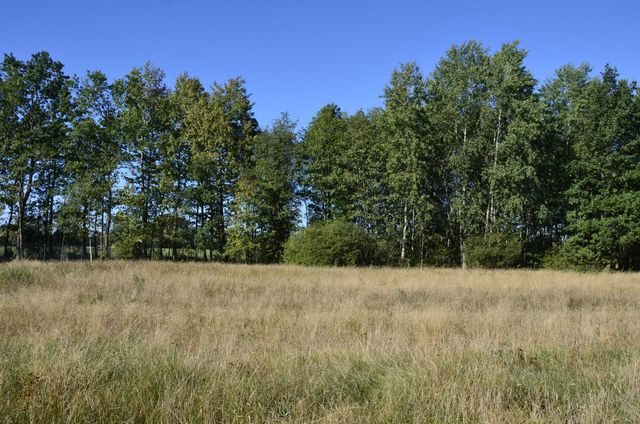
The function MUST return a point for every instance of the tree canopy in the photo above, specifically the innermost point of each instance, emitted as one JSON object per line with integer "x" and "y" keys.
{"x": 475, "y": 163}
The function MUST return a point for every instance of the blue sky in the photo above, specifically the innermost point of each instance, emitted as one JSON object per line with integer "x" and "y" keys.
{"x": 297, "y": 56}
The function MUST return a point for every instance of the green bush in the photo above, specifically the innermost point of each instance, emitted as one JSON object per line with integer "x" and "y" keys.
{"x": 555, "y": 258}
{"x": 332, "y": 243}
{"x": 568, "y": 256}
{"x": 129, "y": 248}
{"x": 493, "y": 251}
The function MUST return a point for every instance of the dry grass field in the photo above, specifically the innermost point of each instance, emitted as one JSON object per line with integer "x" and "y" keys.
{"x": 165, "y": 342}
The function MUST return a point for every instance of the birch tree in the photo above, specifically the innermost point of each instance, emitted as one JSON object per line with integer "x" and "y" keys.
{"x": 36, "y": 108}
{"x": 458, "y": 102}
{"x": 142, "y": 98}
{"x": 93, "y": 159}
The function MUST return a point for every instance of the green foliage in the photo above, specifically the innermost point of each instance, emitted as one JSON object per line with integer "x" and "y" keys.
{"x": 222, "y": 133}
{"x": 265, "y": 208}
{"x": 35, "y": 108}
{"x": 604, "y": 213}
{"x": 449, "y": 162}
{"x": 322, "y": 153}
{"x": 493, "y": 251}
{"x": 142, "y": 97}
{"x": 412, "y": 162}
{"x": 563, "y": 257}
{"x": 332, "y": 243}
{"x": 129, "y": 248}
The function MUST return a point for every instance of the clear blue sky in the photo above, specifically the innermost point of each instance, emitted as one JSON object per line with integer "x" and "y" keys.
{"x": 299, "y": 55}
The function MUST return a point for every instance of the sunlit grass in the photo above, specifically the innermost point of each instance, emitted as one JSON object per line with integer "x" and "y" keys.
{"x": 166, "y": 342}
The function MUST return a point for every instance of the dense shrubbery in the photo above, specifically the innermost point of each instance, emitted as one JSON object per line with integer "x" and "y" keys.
{"x": 336, "y": 243}
{"x": 571, "y": 256}
{"x": 493, "y": 251}
{"x": 129, "y": 248}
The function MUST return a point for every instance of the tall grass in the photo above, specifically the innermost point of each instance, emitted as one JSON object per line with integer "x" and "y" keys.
{"x": 166, "y": 342}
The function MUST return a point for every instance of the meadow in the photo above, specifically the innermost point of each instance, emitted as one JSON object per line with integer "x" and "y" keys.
{"x": 201, "y": 342}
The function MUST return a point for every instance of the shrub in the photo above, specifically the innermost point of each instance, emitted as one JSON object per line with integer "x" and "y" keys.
{"x": 332, "y": 243}
{"x": 129, "y": 248}
{"x": 568, "y": 256}
{"x": 493, "y": 251}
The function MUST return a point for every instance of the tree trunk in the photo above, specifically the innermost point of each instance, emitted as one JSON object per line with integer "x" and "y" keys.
{"x": 94, "y": 233}
{"x": 221, "y": 228}
{"x": 45, "y": 238}
{"x": 422, "y": 250}
{"x": 50, "y": 203}
{"x": 83, "y": 248}
{"x": 145, "y": 211}
{"x": 20, "y": 233}
{"x": 62, "y": 247}
{"x": 404, "y": 235}
{"x": 490, "y": 215}
{"x": 23, "y": 197}
{"x": 174, "y": 246}
{"x": 90, "y": 248}
{"x": 413, "y": 232}
{"x": 6, "y": 234}
{"x": 463, "y": 259}
{"x": 461, "y": 217}
{"x": 161, "y": 241}
{"x": 204, "y": 246}
{"x": 102, "y": 247}
{"x": 107, "y": 249}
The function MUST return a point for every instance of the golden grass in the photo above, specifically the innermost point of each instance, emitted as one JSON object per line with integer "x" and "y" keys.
{"x": 166, "y": 342}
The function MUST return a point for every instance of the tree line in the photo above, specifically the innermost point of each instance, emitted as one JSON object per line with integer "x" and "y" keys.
{"x": 476, "y": 163}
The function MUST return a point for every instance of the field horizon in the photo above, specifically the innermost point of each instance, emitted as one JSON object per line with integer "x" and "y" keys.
{"x": 121, "y": 341}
